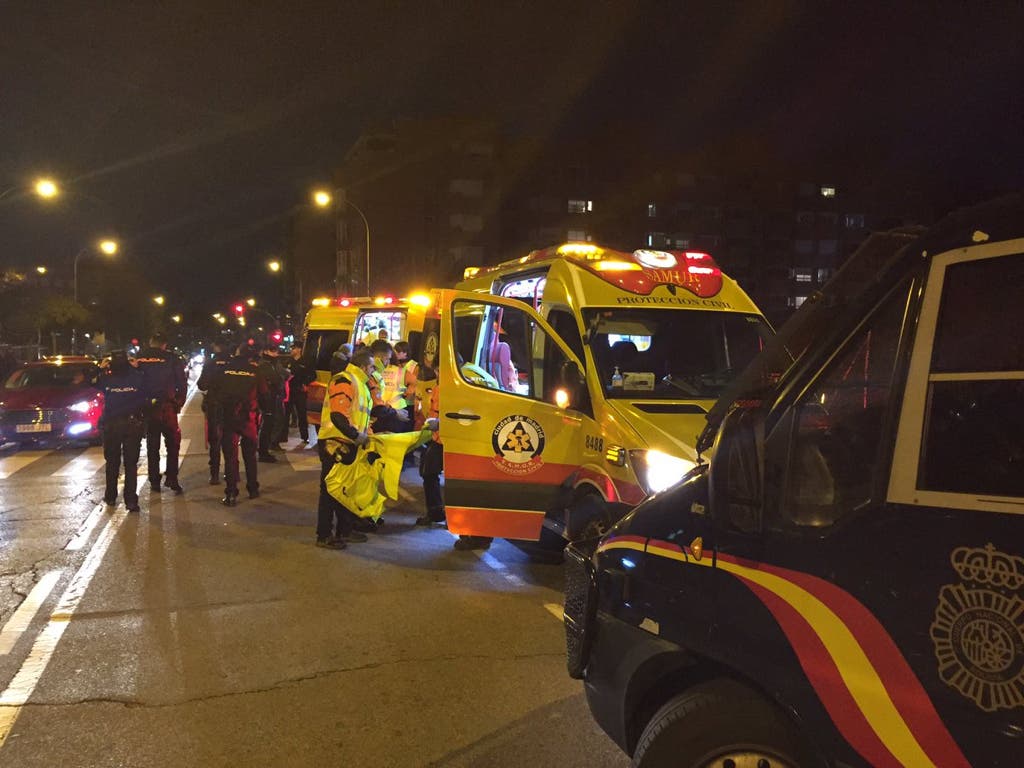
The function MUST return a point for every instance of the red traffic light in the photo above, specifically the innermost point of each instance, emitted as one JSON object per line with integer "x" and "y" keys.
{"x": 276, "y": 337}
{"x": 239, "y": 309}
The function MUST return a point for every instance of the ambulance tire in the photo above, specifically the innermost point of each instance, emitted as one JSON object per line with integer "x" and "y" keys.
{"x": 591, "y": 517}
{"x": 717, "y": 723}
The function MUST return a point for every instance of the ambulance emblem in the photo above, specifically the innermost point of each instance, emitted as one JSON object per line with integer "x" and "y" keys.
{"x": 978, "y": 631}
{"x": 518, "y": 442}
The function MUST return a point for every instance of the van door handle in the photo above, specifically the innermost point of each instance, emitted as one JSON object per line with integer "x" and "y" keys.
{"x": 463, "y": 416}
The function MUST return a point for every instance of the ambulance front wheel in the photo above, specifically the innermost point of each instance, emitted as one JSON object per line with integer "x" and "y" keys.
{"x": 588, "y": 518}
{"x": 717, "y": 723}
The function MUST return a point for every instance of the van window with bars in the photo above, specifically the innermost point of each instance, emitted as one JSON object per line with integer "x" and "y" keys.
{"x": 974, "y": 422}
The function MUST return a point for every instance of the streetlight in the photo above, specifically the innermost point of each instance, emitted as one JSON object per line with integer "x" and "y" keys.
{"x": 41, "y": 269}
{"x": 176, "y": 319}
{"x": 324, "y": 199}
{"x": 44, "y": 188}
{"x": 251, "y": 302}
{"x": 108, "y": 247}
{"x": 158, "y": 300}
{"x": 274, "y": 265}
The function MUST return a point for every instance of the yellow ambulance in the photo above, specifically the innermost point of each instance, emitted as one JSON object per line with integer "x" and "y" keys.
{"x": 600, "y": 367}
{"x": 328, "y": 325}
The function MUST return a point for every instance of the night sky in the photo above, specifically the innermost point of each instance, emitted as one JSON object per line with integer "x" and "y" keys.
{"x": 195, "y": 129}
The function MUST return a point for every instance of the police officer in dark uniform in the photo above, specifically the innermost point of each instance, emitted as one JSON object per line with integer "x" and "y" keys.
{"x": 302, "y": 376}
{"x": 212, "y": 408}
{"x": 240, "y": 390}
{"x": 124, "y": 422}
{"x": 271, "y": 401}
{"x": 166, "y": 387}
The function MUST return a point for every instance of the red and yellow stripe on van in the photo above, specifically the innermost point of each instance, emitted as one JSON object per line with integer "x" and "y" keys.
{"x": 858, "y": 673}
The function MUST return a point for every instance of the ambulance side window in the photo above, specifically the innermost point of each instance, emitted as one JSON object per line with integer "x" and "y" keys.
{"x": 974, "y": 419}
{"x": 565, "y": 326}
{"x": 835, "y": 433}
{"x": 502, "y": 348}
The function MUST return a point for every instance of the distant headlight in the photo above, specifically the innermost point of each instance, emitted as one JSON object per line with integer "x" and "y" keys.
{"x": 658, "y": 471}
{"x": 80, "y": 407}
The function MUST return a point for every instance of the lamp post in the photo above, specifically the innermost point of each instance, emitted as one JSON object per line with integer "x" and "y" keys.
{"x": 44, "y": 188}
{"x": 108, "y": 247}
{"x": 322, "y": 198}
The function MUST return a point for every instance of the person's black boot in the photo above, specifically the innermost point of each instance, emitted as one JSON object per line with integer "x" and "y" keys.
{"x": 214, "y": 477}
{"x": 230, "y": 500}
{"x": 175, "y": 486}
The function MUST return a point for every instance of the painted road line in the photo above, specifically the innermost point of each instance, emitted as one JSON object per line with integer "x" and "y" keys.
{"x": 11, "y": 464}
{"x": 21, "y": 618}
{"x": 24, "y": 682}
{"x": 303, "y": 461}
{"x": 85, "y": 465}
{"x": 555, "y": 610}
{"x": 85, "y": 530}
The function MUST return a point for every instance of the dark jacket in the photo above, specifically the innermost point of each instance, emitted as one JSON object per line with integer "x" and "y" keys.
{"x": 240, "y": 389}
{"x": 302, "y": 374}
{"x": 165, "y": 376}
{"x": 210, "y": 381}
{"x": 124, "y": 395}
{"x": 271, "y": 377}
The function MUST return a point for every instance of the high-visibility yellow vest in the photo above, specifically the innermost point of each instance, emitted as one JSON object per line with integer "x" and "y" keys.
{"x": 361, "y": 404}
{"x": 393, "y": 387}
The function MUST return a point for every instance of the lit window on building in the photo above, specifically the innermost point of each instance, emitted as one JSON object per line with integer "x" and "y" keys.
{"x": 650, "y": 239}
{"x": 802, "y": 275}
{"x": 853, "y": 220}
{"x": 828, "y": 191}
{"x": 652, "y": 211}
{"x": 795, "y": 301}
{"x": 823, "y": 274}
{"x": 581, "y": 206}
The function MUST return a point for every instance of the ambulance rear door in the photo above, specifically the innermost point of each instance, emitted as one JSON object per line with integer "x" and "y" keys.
{"x": 512, "y": 404}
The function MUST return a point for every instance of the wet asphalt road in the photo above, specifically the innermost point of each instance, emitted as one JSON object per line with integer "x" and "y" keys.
{"x": 197, "y": 635}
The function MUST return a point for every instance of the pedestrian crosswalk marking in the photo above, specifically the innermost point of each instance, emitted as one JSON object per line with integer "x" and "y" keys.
{"x": 11, "y": 464}
{"x": 86, "y": 464}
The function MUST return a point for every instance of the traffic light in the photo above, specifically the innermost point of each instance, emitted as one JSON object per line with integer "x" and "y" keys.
{"x": 239, "y": 309}
{"x": 276, "y": 336}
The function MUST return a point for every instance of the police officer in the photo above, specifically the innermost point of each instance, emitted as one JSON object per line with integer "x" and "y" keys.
{"x": 166, "y": 387}
{"x": 302, "y": 376}
{"x": 240, "y": 391}
{"x": 212, "y": 408}
{"x": 271, "y": 401}
{"x": 432, "y": 461}
{"x": 124, "y": 421}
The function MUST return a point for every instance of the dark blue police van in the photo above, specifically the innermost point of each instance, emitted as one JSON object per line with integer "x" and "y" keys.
{"x": 843, "y": 582}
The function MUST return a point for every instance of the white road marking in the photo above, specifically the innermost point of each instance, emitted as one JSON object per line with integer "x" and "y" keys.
{"x": 11, "y": 464}
{"x": 24, "y": 682}
{"x": 21, "y": 618}
{"x": 83, "y": 466}
{"x": 303, "y": 461}
{"x": 555, "y": 610}
{"x": 85, "y": 530}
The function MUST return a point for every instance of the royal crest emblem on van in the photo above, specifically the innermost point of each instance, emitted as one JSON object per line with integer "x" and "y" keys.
{"x": 978, "y": 631}
{"x": 518, "y": 442}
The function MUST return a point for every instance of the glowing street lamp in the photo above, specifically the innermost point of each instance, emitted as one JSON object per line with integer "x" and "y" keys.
{"x": 221, "y": 319}
{"x": 46, "y": 188}
{"x": 158, "y": 300}
{"x": 322, "y": 198}
{"x": 109, "y": 247}
{"x": 274, "y": 265}
{"x": 251, "y": 302}
{"x": 41, "y": 269}
{"x": 176, "y": 319}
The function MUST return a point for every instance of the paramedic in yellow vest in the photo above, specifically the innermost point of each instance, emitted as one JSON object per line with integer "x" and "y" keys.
{"x": 344, "y": 426}
{"x": 386, "y": 417}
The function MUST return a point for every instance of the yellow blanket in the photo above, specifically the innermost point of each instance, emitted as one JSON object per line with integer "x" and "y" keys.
{"x": 357, "y": 486}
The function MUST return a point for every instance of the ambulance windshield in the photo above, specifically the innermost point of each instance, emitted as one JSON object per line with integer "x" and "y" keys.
{"x": 672, "y": 354}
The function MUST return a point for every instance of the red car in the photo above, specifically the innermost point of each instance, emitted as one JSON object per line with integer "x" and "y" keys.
{"x": 51, "y": 401}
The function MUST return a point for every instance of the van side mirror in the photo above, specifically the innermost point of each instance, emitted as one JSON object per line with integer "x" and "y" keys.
{"x": 736, "y": 475}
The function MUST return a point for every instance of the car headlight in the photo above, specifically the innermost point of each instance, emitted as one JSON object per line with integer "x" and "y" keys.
{"x": 82, "y": 406}
{"x": 658, "y": 471}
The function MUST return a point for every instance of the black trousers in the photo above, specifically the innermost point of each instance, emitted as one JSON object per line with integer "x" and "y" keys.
{"x": 431, "y": 466}
{"x": 268, "y": 428}
{"x": 239, "y": 433}
{"x": 163, "y": 421}
{"x": 330, "y": 513}
{"x": 122, "y": 437}
{"x": 214, "y": 431}
{"x": 298, "y": 404}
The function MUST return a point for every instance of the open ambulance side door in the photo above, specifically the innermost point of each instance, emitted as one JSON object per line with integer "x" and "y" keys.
{"x": 511, "y": 434}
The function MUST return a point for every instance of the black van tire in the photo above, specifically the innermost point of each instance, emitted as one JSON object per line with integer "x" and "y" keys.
{"x": 593, "y": 511}
{"x": 705, "y": 725}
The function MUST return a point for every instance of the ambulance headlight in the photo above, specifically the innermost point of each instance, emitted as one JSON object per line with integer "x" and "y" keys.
{"x": 658, "y": 471}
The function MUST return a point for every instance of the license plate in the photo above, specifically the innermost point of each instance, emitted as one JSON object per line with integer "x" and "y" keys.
{"x": 32, "y": 428}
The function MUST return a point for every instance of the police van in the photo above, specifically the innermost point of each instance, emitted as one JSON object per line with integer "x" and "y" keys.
{"x": 575, "y": 381}
{"x": 843, "y": 582}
